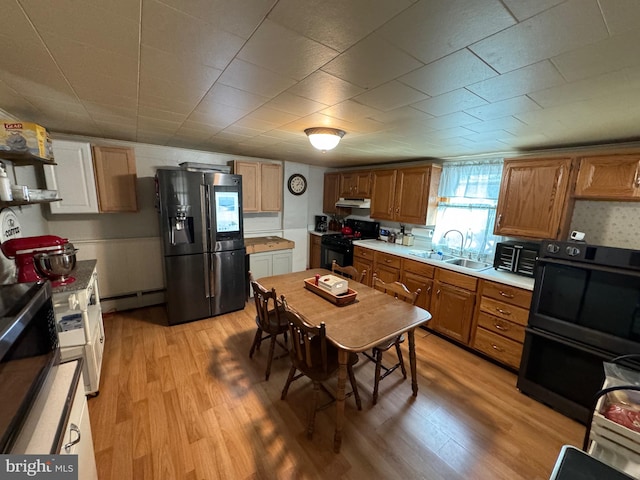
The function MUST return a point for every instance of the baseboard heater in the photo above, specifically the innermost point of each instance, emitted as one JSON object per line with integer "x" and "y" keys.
{"x": 133, "y": 294}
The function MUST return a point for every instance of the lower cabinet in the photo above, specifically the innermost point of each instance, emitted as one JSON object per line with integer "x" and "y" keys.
{"x": 452, "y": 304}
{"x": 501, "y": 319}
{"x": 267, "y": 264}
{"x": 77, "y": 439}
{"x": 418, "y": 275}
{"x": 387, "y": 267}
{"x": 315, "y": 251}
{"x": 363, "y": 260}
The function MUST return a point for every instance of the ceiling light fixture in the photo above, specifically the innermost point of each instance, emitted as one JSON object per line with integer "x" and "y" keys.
{"x": 324, "y": 138}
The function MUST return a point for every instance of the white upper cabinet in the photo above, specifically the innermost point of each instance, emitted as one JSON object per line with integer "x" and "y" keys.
{"x": 72, "y": 177}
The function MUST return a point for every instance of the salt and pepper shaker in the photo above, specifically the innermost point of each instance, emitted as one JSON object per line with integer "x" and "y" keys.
{"x": 5, "y": 185}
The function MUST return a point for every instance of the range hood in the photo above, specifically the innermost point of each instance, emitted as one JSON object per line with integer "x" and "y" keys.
{"x": 354, "y": 202}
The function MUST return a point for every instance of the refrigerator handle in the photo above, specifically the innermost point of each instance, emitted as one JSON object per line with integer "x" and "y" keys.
{"x": 207, "y": 276}
{"x": 206, "y": 217}
{"x": 212, "y": 276}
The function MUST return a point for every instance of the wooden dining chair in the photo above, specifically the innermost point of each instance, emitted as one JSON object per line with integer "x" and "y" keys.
{"x": 315, "y": 358}
{"x": 270, "y": 322}
{"x": 348, "y": 271}
{"x": 401, "y": 292}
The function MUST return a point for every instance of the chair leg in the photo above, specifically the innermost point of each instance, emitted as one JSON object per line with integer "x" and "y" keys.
{"x": 354, "y": 386}
{"x": 256, "y": 342}
{"x": 401, "y": 360}
{"x": 272, "y": 347}
{"x": 285, "y": 390}
{"x": 314, "y": 406}
{"x": 377, "y": 378}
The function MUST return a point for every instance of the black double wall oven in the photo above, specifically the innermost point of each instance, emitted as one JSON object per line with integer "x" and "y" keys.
{"x": 585, "y": 310}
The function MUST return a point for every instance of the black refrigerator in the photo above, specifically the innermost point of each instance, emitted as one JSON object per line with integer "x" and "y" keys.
{"x": 200, "y": 217}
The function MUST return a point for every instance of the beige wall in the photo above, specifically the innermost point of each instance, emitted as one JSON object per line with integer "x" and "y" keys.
{"x": 615, "y": 224}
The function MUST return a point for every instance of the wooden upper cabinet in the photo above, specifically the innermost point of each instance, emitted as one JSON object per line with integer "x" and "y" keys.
{"x": 534, "y": 199}
{"x": 382, "y": 194}
{"x": 251, "y": 185}
{"x": 355, "y": 184}
{"x": 271, "y": 187}
{"x": 115, "y": 172}
{"x": 261, "y": 186}
{"x": 609, "y": 177}
{"x": 406, "y": 194}
{"x": 331, "y": 192}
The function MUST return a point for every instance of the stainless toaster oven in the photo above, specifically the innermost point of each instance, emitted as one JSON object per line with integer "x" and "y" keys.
{"x": 517, "y": 257}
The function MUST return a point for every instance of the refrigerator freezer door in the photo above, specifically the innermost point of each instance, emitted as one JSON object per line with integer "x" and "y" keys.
{"x": 229, "y": 278}
{"x": 187, "y": 288}
{"x": 183, "y": 220}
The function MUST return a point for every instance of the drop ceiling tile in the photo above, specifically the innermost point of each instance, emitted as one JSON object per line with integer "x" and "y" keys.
{"x": 95, "y": 87}
{"x": 275, "y": 117}
{"x": 336, "y": 23}
{"x": 449, "y": 73}
{"x": 254, "y": 79}
{"x": 15, "y": 51}
{"x": 451, "y": 120}
{"x": 446, "y": 133}
{"x": 431, "y": 30}
{"x": 157, "y": 87}
{"x": 294, "y": 104}
{"x": 161, "y": 114}
{"x": 240, "y": 18}
{"x": 455, "y": 101}
{"x": 116, "y": 100}
{"x": 350, "y": 110}
{"x": 173, "y": 31}
{"x": 523, "y": 9}
{"x": 217, "y": 114}
{"x": 371, "y": 62}
{"x": 568, "y": 26}
{"x": 325, "y": 88}
{"x": 609, "y": 55}
{"x": 504, "y": 108}
{"x": 255, "y": 124}
{"x": 505, "y": 123}
{"x": 389, "y": 96}
{"x": 621, "y": 15}
{"x": 225, "y": 95}
{"x": 164, "y": 103}
{"x": 33, "y": 83}
{"x": 281, "y": 50}
{"x": 519, "y": 82}
{"x": 97, "y": 24}
{"x": 401, "y": 115}
{"x": 583, "y": 89}
{"x": 181, "y": 70}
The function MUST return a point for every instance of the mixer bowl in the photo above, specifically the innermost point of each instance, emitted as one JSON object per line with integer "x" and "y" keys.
{"x": 55, "y": 266}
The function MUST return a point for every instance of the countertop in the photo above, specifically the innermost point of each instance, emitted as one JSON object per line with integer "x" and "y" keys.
{"x": 82, "y": 273}
{"x": 267, "y": 244}
{"x": 489, "y": 274}
{"x": 319, "y": 234}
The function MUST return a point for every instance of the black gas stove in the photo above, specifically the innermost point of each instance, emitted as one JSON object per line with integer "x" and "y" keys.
{"x": 339, "y": 247}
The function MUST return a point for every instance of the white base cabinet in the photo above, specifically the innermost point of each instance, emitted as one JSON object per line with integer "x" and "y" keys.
{"x": 266, "y": 264}
{"x": 86, "y": 341}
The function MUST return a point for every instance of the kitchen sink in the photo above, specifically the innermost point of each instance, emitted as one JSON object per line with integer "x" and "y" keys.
{"x": 468, "y": 263}
{"x": 430, "y": 255}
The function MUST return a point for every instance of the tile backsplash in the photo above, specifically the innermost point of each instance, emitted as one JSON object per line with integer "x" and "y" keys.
{"x": 615, "y": 224}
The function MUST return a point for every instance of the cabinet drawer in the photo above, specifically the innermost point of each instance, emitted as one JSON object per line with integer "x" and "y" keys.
{"x": 501, "y": 327}
{"x": 504, "y": 310}
{"x": 505, "y": 293}
{"x": 418, "y": 268}
{"x": 388, "y": 260}
{"x": 497, "y": 347}
{"x": 363, "y": 252}
{"x": 457, "y": 279}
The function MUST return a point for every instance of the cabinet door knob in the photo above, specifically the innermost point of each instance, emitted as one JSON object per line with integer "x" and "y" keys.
{"x": 438, "y": 292}
{"x": 496, "y": 348}
{"x": 638, "y": 181}
{"x": 500, "y": 327}
{"x": 74, "y": 429}
{"x": 504, "y": 312}
{"x": 507, "y": 295}
{"x": 499, "y": 220}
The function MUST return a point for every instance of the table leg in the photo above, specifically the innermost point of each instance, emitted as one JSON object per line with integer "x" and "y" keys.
{"x": 412, "y": 361}
{"x": 343, "y": 357}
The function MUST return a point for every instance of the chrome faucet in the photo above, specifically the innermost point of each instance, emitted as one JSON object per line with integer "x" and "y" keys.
{"x": 461, "y": 238}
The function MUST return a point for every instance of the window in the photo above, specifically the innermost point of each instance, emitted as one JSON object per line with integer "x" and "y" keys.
{"x": 468, "y": 197}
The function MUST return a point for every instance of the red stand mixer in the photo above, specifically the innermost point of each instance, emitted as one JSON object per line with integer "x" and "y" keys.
{"x": 42, "y": 257}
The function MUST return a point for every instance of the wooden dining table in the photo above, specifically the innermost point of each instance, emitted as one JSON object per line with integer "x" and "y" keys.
{"x": 373, "y": 318}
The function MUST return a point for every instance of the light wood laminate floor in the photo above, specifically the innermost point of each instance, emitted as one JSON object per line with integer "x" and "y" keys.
{"x": 186, "y": 402}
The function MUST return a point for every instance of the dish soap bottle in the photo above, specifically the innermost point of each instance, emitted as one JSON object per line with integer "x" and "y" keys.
{"x": 5, "y": 185}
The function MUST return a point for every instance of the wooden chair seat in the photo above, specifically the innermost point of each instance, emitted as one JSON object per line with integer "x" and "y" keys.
{"x": 270, "y": 322}
{"x": 315, "y": 358}
{"x": 400, "y": 292}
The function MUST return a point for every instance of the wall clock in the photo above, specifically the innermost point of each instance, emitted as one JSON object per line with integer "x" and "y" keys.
{"x": 297, "y": 184}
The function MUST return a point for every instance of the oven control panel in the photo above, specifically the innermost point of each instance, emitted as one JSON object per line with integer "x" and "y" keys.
{"x": 567, "y": 250}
